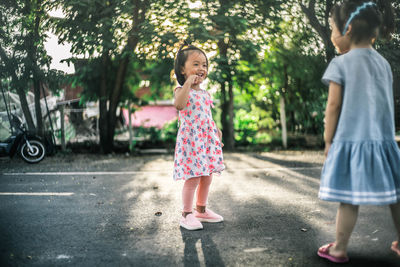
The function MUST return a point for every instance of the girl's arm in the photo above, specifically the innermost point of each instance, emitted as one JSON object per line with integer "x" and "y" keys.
{"x": 332, "y": 113}
{"x": 182, "y": 93}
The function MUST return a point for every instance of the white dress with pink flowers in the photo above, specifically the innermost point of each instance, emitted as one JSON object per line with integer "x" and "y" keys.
{"x": 198, "y": 149}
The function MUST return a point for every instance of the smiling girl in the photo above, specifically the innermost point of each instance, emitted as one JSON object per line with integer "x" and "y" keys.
{"x": 198, "y": 150}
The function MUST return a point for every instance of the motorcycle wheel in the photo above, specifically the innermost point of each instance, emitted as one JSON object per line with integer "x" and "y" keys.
{"x": 36, "y": 154}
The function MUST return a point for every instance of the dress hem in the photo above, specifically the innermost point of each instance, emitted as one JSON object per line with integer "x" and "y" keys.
{"x": 356, "y": 203}
{"x": 194, "y": 176}
{"x": 360, "y": 198}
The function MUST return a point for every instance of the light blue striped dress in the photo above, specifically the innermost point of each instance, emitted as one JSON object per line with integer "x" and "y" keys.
{"x": 363, "y": 163}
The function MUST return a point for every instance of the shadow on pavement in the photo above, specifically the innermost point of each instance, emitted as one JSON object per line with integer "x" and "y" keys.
{"x": 312, "y": 170}
{"x": 258, "y": 232}
{"x": 286, "y": 163}
{"x": 208, "y": 247}
{"x": 362, "y": 261}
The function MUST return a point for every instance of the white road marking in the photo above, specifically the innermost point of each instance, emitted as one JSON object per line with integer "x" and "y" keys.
{"x": 36, "y": 194}
{"x": 63, "y": 257}
{"x": 80, "y": 173}
{"x": 252, "y": 250}
{"x": 152, "y": 172}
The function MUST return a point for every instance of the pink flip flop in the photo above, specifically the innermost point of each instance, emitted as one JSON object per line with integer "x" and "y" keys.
{"x": 395, "y": 247}
{"x": 323, "y": 252}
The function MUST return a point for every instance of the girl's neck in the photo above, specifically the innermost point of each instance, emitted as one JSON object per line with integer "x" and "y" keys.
{"x": 361, "y": 45}
{"x": 196, "y": 87}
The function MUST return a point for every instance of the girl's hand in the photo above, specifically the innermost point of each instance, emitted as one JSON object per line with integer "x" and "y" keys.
{"x": 220, "y": 137}
{"x": 194, "y": 80}
{"x": 327, "y": 147}
{"x": 182, "y": 93}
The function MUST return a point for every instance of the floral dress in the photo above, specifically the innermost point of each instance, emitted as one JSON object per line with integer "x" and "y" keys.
{"x": 198, "y": 149}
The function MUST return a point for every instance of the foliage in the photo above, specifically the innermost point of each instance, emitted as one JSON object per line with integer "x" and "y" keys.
{"x": 153, "y": 137}
{"x": 23, "y": 31}
{"x": 291, "y": 66}
{"x": 225, "y": 27}
{"x": 169, "y": 131}
{"x": 259, "y": 52}
{"x": 391, "y": 50}
{"x": 118, "y": 40}
{"x": 252, "y": 127}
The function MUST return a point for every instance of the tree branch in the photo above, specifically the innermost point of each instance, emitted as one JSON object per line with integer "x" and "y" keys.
{"x": 310, "y": 13}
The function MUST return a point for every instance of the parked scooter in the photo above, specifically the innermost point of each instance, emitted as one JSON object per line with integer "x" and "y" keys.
{"x": 30, "y": 147}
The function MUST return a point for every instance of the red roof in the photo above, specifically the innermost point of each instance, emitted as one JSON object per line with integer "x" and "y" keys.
{"x": 151, "y": 116}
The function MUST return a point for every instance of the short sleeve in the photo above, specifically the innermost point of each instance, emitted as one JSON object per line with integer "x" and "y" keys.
{"x": 333, "y": 73}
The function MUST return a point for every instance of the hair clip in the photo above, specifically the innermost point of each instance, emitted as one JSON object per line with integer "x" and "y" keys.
{"x": 355, "y": 13}
{"x": 185, "y": 43}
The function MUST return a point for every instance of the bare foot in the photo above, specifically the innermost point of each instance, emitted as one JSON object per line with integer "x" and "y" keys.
{"x": 395, "y": 247}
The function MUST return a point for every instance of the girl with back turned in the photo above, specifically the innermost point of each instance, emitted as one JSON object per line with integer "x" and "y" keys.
{"x": 363, "y": 160}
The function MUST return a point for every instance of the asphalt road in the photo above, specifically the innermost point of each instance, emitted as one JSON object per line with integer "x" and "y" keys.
{"x": 94, "y": 210}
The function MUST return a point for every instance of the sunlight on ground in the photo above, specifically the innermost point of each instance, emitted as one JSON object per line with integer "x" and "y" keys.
{"x": 246, "y": 179}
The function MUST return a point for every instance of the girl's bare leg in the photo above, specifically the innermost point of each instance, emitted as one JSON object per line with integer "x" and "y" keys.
{"x": 346, "y": 219}
{"x": 395, "y": 210}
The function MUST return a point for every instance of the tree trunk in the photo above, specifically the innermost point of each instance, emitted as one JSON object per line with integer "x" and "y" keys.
{"x": 224, "y": 112}
{"x": 62, "y": 117}
{"x": 115, "y": 98}
{"x": 227, "y": 102}
{"x": 227, "y": 116}
{"x": 34, "y": 68}
{"x": 25, "y": 109}
{"x": 130, "y": 125}
{"x": 109, "y": 102}
{"x": 20, "y": 91}
{"x": 38, "y": 110}
{"x": 282, "y": 106}
{"x": 230, "y": 140}
{"x": 323, "y": 30}
{"x": 106, "y": 147}
{"x": 283, "y": 120}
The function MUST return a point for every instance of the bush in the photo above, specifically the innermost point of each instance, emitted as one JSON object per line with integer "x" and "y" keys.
{"x": 155, "y": 137}
{"x": 251, "y": 128}
{"x": 169, "y": 132}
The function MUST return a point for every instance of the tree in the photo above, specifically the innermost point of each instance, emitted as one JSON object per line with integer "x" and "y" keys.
{"x": 318, "y": 16}
{"x": 98, "y": 30}
{"x": 110, "y": 34}
{"x": 226, "y": 26}
{"x": 391, "y": 51}
{"x": 318, "y": 13}
{"x": 284, "y": 82}
{"x": 25, "y": 61}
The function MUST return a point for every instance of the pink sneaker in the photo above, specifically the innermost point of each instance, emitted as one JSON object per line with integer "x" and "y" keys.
{"x": 190, "y": 222}
{"x": 208, "y": 216}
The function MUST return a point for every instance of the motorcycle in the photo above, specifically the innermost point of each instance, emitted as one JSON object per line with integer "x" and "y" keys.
{"x": 29, "y": 146}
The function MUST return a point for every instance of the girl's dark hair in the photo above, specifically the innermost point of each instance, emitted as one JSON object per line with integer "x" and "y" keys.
{"x": 181, "y": 57}
{"x": 373, "y": 20}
